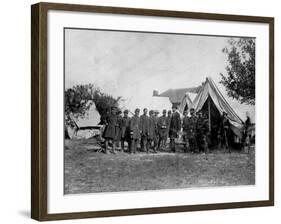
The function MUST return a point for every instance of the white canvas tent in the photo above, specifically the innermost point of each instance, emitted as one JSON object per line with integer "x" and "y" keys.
{"x": 210, "y": 94}
{"x": 86, "y": 126}
{"x": 185, "y": 103}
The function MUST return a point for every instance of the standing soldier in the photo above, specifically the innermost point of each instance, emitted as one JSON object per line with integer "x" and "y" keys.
{"x": 189, "y": 128}
{"x": 144, "y": 125}
{"x": 169, "y": 121}
{"x": 135, "y": 131}
{"x": 110, "y": 129}
{"x": 224, "y": 129}
{"x": 152, "y": 138}
{"x": 246, "y": 134}
{"x": 162, "y": 126}
{"x": 202, "y": 130}
{"x": 125, "y": 130}
{"x": 157, "y": 137}
{"x": 185, "y": 125}
{"x": 174, "y": 128}
{"x": 118, "y": 128}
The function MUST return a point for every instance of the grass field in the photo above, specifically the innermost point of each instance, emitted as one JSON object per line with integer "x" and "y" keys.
{"x": 87, "y": 171}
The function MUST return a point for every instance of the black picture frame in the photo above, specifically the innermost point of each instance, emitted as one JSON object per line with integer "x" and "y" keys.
{"x": 39, "y": 106}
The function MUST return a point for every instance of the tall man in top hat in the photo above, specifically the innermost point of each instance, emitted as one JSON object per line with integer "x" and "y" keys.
{"x": 144, "y": 126}
{"x": 135, "y": 132}
{"x": 175, "y": 127}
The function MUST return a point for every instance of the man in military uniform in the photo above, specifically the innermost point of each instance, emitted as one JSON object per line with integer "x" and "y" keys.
{"x": 224, "y": 130}
{"x": 135, "y": 132}
{"x": 169, "y": 121}
{"x": 157, "y": 137}
{"x": 111, "y": 125}
{"x": 125, "y": 130}
{"x": 162, "y": 126}
{"x": 202, "y": 130}
{"x": 189, "y": 129}
{"x": 144, "y": 125}
{"x": 246, "y": 134}
{"x": 152, "y": 138}
{"x": 174, "y": 128}
{"x": 118, "y": 128}
{"x": 185, "y": 125}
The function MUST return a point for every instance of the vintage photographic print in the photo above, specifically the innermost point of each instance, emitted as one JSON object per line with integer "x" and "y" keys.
{"x": 155, "y": 111}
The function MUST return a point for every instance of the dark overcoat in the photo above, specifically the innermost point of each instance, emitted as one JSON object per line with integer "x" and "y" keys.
{"x": 111, "y": 127}
{"x": 162, "y": 126}
{"x": 152, "y": 127}
{"x": 125, "y": 127}
{"x": 202, "y": 126}
{"x": 144, "y": 124}
{"x": 189, "y": 126}
{"x": 135, "y": 127}
{"x": 175, "y": 125}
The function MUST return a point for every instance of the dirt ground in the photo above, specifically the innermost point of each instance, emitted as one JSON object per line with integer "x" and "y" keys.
{"x": 88, "y": 171}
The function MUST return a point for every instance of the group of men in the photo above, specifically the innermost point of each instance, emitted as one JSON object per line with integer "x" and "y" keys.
{"x": 152, "y": 131}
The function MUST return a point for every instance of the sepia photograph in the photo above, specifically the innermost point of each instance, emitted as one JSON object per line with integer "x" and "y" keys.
{"x": 157, "y": 111}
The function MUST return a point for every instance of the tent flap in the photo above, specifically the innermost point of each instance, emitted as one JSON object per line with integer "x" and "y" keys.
{"x": 209, "y": 89}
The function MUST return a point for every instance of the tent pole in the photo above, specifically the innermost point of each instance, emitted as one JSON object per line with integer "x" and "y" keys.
{"x": 209, "y": 113}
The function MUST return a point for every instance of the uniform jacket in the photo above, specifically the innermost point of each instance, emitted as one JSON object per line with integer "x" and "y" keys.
{"x": 152, "y": 127}
{"x": 189, "y": 125}
{"x": 135, "y": 127}
{"x": 118, "y": 127}
{"x": 162, "y": 122}
{"x": 224, "y": 127}
{"x": 125, "y": 127}
{"x": 202, "y": 126}
{"x": 162, "y": 126}
{"x": 144, "y": 124}
{"x": 111, "y": 126}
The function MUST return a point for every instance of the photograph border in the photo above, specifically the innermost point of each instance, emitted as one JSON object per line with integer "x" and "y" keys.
{"x": 39, "y": 107}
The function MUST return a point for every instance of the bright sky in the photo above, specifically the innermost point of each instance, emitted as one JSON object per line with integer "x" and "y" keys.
{"x": 132, "y": 65}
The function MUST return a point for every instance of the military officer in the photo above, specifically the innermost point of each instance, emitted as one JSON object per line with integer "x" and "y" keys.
{"x": 169, "y": 121}
{"x": 157, "y": 137}
{"x": 162, "y": 126}
{"x": 246, "y": 134}
{"x": 185, "y": 124}
{"x": 125, "y": 130}
{"x": 118, "y": 128}
{"x": 152, "y": 138}
{"x": 224, "y": 130}
{"x": 202, "y": 130}
{"x": 144, "y": 126}
{"x": 174, "y": 128}
{"x": 135, "y": 132}
{"x": 111, "y": 125}
{"x": 189, "y": 129}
